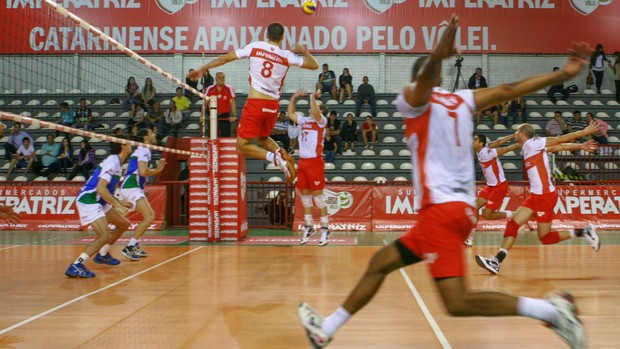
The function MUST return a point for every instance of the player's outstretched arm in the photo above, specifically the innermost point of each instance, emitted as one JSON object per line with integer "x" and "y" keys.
{"x": 145, "y": 171}
{"x": 578, "y": 58}
{"x": 291, "y": 110}
{"x": 592, "y": 128}
{"x": 498, "y": 143}
{"x": 221, "y": 60}
{"x": 589, "y": 146}
{"x": 419, "y": 93}
{"x": 315, "y": 112}
{"x": 504, "y": 150}
{"x": 102, "y": 190}
{"x": 309, "y": 61}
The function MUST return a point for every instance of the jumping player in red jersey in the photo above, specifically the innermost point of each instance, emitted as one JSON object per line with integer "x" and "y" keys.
{"x": 438, "y": 123}
{"x": 311, "y": 170}
{"x": 268, "y": 67}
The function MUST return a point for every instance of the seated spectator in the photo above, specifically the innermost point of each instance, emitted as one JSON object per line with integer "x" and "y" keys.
{"x": 293, "y": 133}
{"x": 280, "y": 130}
{"x": 520, "y": 114}
{"x": 601, "y": 136}
{"x": 334, "y": 128}
{"x": 149, "y": 92}
{"x": 67, "y": 117}
{"x": 327, "y": 81}
{"x": 503, "y": 113}
{"x": 86, "y": 160}
{"x": 83, "y": 116}
{"x": 491, "y": 113}
{"x": 330, "y": 147}
{"x": 477, "y": 81}
{"x": 136, "y": 117}
{"x": 154, "y": 119}
{"x": 278, "y": 208}
{"x": 193, "y": 83}
{"x": 182, "y": 103}
{"x": 514, "y": 107}
{"x": 553, "y": 90}
{"x": 118, "y": 132}
{"x": 174, "y": 119}
{"x": 576, "y": 123}
{"x": 366, "y": 95}
{"x": 348, "y": 132}
{"x": 24, "y": 157}
{"x": 206, "y": 81}
{"x": 369, "y": 130}
{"x": 132, "y": 93}
{"x": 556, "y": 126}
{"x": 65, "y": 157}
{"x": 15, "y": 141}
{"x": 49, "y": 157}
{"x": 346, "y": 85}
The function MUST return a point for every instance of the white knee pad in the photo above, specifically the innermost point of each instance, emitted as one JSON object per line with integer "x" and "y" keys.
{"x": 319, "y": 201}
{"x": 306, "y": 200}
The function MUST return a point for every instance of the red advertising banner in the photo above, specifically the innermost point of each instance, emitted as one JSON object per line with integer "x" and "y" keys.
{"x": 349, "y": 208}
{"x": 53, "y": 207}
{"x": 338, "y": 26}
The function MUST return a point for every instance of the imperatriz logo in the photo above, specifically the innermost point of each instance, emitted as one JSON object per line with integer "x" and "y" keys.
{"x": 585, "y": 7}
{"x": 380, "y": 6}
{"x": 174, "y": 6}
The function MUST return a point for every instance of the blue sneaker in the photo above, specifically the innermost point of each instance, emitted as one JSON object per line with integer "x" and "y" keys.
{"x": 130, "y": 253}
{"x": 107, "y": 259}
{"x": 79, "y": 271}
{"x": 139, "y": 251}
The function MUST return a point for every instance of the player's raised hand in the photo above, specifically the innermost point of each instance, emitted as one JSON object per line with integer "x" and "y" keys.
{"x": 446, "y": 46}
{"x": 579, "y": 56}
{"x": 161, "y": 163}
{"x": 301, "y": 49}
{"x": 300, "y": 93}
{"x": 589, "y": 146}
{"x": 592, "y": 128}
{"x": 195, "y": 75}
{"x": 10, "y": 216}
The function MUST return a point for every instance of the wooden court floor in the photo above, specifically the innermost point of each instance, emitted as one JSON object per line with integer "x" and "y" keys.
{"x": 228, "y": 296}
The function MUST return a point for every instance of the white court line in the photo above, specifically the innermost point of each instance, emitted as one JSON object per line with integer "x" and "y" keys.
{"x": 427, "y": 314}
{"x": 10, "y": 247}
{"x": 47, "y": 312}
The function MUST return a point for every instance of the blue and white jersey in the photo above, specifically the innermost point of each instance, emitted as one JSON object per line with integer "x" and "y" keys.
{"x": 132, "y": 177}
{"x": 110, "y": 170}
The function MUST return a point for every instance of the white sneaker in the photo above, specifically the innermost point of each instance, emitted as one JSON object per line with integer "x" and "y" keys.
{"x": 491, "y": 264}
{"x": 567, "y": 325}
{"x": 324, "y": 238}
{"x": 469, "y": 242}
{"x": 308, "y": 232}
{"x": 286, "y": 164}
{"x": 312, "y": 322}
{"x": 589, "y": 234}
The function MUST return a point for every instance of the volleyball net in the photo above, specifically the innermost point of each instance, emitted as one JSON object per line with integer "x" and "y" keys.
{"x": 75, "y": 79}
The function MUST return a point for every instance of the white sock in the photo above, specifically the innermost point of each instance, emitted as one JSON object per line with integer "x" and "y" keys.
{"x": 271, "y": 157}
{"x": 540, "y": 309}
{"x": 508, "y": 213}
{"x": 308, "y": 220}
{"x": 572, "y": 232}
{"x": 332, "y": 323}
{"x": 132, "y": 242}
{"x": 325, "y": 223}
{"x": 82, "y": 258}
{"x": 503, "y": 250}
{"x": 104, "y": 250}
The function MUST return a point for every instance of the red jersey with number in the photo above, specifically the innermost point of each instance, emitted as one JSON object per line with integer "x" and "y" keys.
{"x": 224, "y": 96}
{"x": 268, "y": 66}
{"x": 536, "y": 164}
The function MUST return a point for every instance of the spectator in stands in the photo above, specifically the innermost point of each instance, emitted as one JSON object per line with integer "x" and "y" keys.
{"x": 67, "y": 117}
{"x": 369, "y": 130}
{"x": 136, "y": 117}
{"x": 327, "y": 81}
{"x": 491, "y": 113}
{"x": 278, "y": 208}
{"x": 553, "y": 90}
{"x": 118, "y": 132}
{"x": 597, "y": 66}
{"x": 280, "y": 131}
{"x": 346, "y": 85}
{"x": 132, "y": 92}
{"x": 556, "y": 126}
{"x": 600, "y": 136}
{"x": 174, "y": 119}
{"x": 504, "y": 113}
{"x": 366, "y": 95}
{"x": 83, "y": 116}
{"x": 154, "y": 119}
{"x": 49, "y": 157}
{"x": 616, "y": 69}
{"x": 576, "y": 123}
{"x": 334, "y": 128}
{"x": 477, "y": 81}
{"x": 24, "y": 157}
{"x": 521, "y": 114}
{"x": 65, "y": 156}
{"x": 193, "y": 83}
{"x": 226, "y": 104}
{"x": 330, "y": 147}
{"x": 86, "y": 160}
{"x": 515, "y": 105}
{"x": 206, "y": 80}
{"x": 348, "y": 132}
{"x": 182, "y": 104}
{"x": 149, "y": 92}
{"x": 15, "y": 141}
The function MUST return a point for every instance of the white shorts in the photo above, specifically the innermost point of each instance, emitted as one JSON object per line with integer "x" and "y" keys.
{"x": 91, "y": 212}
{"x": 132, "y": 195}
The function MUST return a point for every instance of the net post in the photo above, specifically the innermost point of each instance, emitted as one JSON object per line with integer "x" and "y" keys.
{"x": 215, "y": 172}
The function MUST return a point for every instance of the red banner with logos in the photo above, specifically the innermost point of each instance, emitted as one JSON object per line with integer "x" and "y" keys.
{"x": 349, "y": 208}
{"x": 53, "y": 207}
{"x": 338, "y": 26}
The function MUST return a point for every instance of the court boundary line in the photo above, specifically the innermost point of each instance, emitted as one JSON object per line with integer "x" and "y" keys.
{"x": 58, "y": 307}
{"x": 427, "y": 313}
{"x": 10, "y": 247}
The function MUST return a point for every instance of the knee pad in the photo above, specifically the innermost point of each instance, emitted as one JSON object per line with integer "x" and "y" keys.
{"x": 512, "y": 229}
{"x": 319, "y": 201}
{"x": 306, "y": 200}
{"x": 550, "y": 238}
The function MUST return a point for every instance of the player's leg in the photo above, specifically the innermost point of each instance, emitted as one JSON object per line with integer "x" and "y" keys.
{"x": 480, "y": 201}
{"x": 121, "y": 223}
{"x": 90, "y": 214}
{"x": 319, "y": 202}
{"x": 141, "y": 204}
{"x": 547, "y": 236}
{"x": 341, "y": 97}
{"x": 11, "y": 167}
{"x": 334, "y": 91}
{"x": 306, "y": 202}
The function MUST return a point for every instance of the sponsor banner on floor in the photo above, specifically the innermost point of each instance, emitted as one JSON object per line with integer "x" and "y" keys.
{"x": 144, "y": 240}
{"x": 294, "y": 240}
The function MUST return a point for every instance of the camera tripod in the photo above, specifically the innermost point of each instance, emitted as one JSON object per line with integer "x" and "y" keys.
{"x": 459, "y": 76}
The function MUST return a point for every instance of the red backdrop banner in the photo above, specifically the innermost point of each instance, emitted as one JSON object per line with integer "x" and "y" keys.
{"x": 53, "y": 207}
{"x": 354, "y": 26}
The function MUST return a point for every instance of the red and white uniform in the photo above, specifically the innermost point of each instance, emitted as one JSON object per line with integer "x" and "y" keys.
{"x": 268, "y": 66}
{"x": 224, "y": 96}
{"x": 311, "y": 169}
{"x": 543, "y": 197}
{"x": 497, "y": 186}
{"x": 439, "y": 136}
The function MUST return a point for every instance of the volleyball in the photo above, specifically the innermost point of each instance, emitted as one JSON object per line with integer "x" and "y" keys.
{"x": 309, "y": 7}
